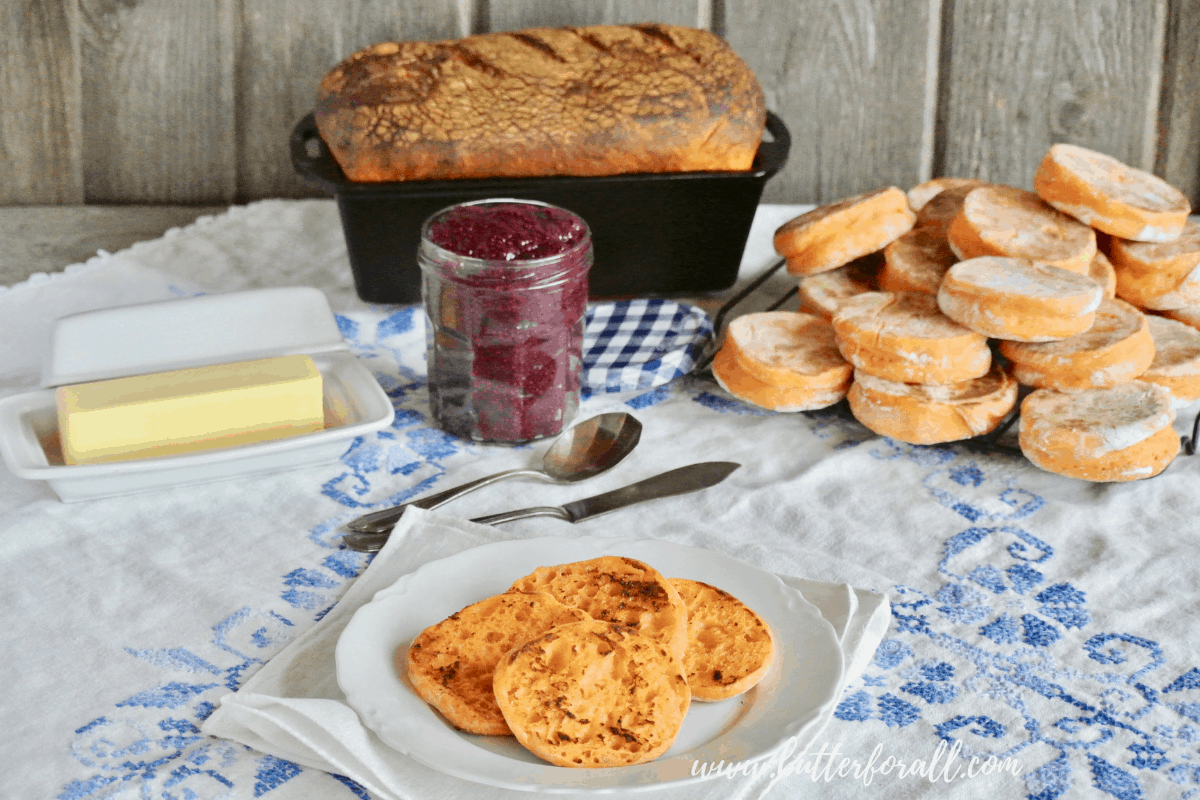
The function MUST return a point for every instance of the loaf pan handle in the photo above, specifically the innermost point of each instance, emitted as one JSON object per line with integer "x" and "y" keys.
{"x": 311, "y": 157}
{"x": 772, "y": 156}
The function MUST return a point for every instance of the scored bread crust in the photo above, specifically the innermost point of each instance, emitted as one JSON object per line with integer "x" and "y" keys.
{"x": 905, "y": 337}
{"x": 1176, "y": 364}
{"x": 833, "y": 235}
{"x": 1109, "y": 195}
{"x": 788, "y": 350}
{"x": 1005, "y": 221}
{"x": 616, "y": 589}
{"x": 730, "y": 374}
{"x": 730, "y": 648}
{"x": 1018, "y": 299}
{"x": 919, "y": 414}
{"x": 1117, "y": 348}
{"x": 1119, "y": 433}
{"x": 1159, "y": 275}
{"x": 593, "y": 694}
{"x": 450, "y": 664}
{"x": 916, "y": 262}
{"x": 597, "y": 100}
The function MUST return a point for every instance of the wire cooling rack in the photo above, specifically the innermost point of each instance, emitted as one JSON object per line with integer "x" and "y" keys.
{"x": 987, "y": 443}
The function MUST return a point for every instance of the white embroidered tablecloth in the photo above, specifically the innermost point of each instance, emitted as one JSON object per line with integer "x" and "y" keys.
{"x": 1041, "y": 620}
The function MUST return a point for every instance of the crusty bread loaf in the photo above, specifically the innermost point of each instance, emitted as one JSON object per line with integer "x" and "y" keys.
{"x": 451, "y": 664}
{"x": 1117, "y": 348}
{"x": 593, "y": 694}
{"x": 1120, "y": 433}
{"x": 730, "y": 648}
{"x": 617, "y": 589}
{"x": 905, "y": 337}
{"x": 600, "y": 100}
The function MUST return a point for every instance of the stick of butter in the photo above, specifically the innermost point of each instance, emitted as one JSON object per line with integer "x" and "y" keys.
{"x": 186, "y": 410}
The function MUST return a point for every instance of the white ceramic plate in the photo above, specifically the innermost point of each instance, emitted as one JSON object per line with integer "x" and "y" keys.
{"x": 803, "y": 681}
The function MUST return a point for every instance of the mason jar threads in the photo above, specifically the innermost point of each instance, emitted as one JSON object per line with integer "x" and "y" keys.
{"x": 504, "y": 286}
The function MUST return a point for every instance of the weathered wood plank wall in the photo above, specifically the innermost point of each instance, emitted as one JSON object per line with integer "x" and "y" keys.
{"x": 191, "y": 101}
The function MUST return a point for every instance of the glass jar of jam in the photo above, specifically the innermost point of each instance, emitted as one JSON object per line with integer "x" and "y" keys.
{"x": 504, "y": 285}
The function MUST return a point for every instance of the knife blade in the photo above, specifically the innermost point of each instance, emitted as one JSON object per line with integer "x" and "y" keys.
{"x": 687, "y": 479}
{"x": 683, "y": 480}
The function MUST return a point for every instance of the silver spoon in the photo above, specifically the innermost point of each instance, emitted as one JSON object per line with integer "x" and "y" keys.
{"x": 593, "y": 446}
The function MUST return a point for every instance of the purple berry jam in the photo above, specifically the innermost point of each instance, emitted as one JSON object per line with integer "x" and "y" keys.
{"x": 505, "y": 292}
{"x": 507, "y": 231}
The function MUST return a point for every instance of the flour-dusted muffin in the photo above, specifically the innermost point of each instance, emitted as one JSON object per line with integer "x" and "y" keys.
{"x": 916, "y": 262}
{"x": 1159, "y": 275}
{"x": 1018, "y": 299}
{"x": 922, "y": 193}
{"x": 833, "y": 235}
{"x": 1121, "y": 433}
{"x": 1117, "y": 348}
{"x": 904, "y": 336}
{"x": 593, "y": 694}
{"x": 617, "y": 589}
{"x": 1010, "y": 222}
{"x": 731, "y": 375}
{"x": 1109, "y": 195}
{"x": 920, "y": 414}
{"x": 787, "y": 349}
{"x": 730, "y": 648}
{"x": 1176, "y": 364}
{"x": 451, "y": 664}
{"x": 1102, "y": 272}
{"x": 823, "y": 293}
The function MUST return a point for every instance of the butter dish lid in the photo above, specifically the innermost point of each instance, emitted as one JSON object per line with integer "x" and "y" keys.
{"x": 190, "y": 332}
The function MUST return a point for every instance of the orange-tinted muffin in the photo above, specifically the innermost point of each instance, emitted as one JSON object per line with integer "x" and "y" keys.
{"x": 1117, "y": 348}
{"x": 1111, "y": 196}
{"x": 920, "y": 414}
{"x": 593, "y": 694}
{"x": 1176, "y": 364}
{"x": 833, "y": 235}
{"x": 904, "y": 336}
{"x": 730, "y": 648}
{"x": 1017, "y": 299}
{"x": 1003, "y": 221}
{"x": 1159, "y": 275}
{"x": 1120, "y": 433}
{"x": 450, "y": 664}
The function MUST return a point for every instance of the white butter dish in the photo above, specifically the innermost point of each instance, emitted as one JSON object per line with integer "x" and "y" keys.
{"x": 177, "y": 334}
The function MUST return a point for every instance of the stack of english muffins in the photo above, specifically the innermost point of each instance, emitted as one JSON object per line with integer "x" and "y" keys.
{"x": 942, "y": 301}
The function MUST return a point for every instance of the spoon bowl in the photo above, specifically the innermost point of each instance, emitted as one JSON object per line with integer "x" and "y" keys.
{"x": 590, "y": 448}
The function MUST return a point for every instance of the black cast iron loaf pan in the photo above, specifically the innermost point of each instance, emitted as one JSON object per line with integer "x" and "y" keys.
{"x": 652, "y": 234}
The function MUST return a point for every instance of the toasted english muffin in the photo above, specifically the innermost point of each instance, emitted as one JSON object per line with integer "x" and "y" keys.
{"x": 617, "y": 589}
{"x": 451, "y": 664}
{"x": 593, "y": 694}
{"x": 730, "y": 647}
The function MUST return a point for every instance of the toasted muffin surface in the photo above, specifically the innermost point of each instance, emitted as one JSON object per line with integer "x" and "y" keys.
{"x": 617, "y": 589}
{"x": 730, "y": 648}
{"x": 593, "y": 694}
{"x": 450, "y": 664}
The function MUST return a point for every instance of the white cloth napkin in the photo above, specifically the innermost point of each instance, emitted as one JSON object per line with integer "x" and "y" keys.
{"x": 292, "y": 708}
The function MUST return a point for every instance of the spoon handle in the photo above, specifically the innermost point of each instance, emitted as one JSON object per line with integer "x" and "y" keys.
{"x": 385, "y": 520}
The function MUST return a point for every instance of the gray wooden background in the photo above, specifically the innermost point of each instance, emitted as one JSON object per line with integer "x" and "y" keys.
{"x": 191, "y": 101}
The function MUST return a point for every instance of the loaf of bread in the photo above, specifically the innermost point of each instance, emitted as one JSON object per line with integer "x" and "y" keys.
{"x": 600, "y": 100}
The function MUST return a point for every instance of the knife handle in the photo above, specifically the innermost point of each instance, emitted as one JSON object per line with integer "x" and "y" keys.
{"x": 524, "y": 513}
{"x": 385, "y": 520}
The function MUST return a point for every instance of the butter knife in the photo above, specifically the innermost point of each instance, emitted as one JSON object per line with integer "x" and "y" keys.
{"x": 683, "y": 480}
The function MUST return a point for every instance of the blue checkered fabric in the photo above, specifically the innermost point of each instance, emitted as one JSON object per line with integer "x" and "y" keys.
{"x": 638, "y": 344}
